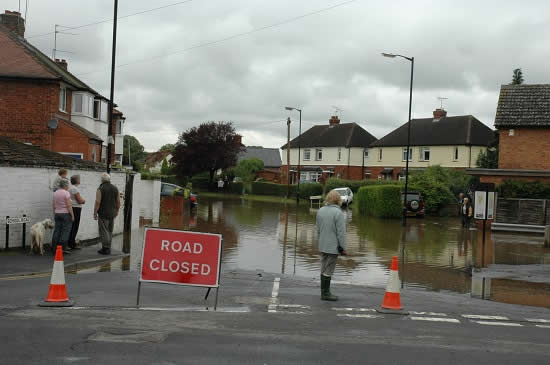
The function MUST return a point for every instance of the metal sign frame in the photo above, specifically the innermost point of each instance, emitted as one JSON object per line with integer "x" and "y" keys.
{"x": 218, "y": 281}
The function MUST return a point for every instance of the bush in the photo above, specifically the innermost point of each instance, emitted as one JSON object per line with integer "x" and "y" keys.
{"x": 236, "y": 187}
{"x": 310, "y": 189}
{"x": 439, "y": 186}
{"x": 354, "y": 185}
{"x": 200, "y": 182}
{"x": 524, "y": 190}
{"x": 382, "y": 201}
{"x": 266, "y": 188}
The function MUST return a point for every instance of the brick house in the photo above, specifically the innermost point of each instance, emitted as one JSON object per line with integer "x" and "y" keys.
{"x": 154, "y": 161}
{"x": 43, "y": 104}
{"x": 271, "y": 159}
{"x": 452, "y": 142}
{"x": 330, "y": 150}
{"x": 523, "y": 123}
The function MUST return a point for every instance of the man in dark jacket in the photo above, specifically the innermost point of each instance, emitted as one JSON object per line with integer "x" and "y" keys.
{"x": 107, "y": 205}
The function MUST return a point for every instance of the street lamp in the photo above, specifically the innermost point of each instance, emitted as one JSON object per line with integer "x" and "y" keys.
{"x": 299, "y": 148}
{"x": 391, "y": 55}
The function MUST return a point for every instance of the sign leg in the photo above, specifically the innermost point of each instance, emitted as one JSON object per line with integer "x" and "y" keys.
{"x": 138, "y": 292}
{"x": 207, "y": 293}
{"x": 216, "y": 300}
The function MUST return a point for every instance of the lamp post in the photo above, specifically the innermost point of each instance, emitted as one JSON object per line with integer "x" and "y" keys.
{"x": 299, "y": 148}
{"x": 411, "y": 59}
{"x": 110, "y": 133}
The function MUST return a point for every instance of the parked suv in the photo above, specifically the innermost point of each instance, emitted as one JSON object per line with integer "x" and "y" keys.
{"x": 415, "y": 203}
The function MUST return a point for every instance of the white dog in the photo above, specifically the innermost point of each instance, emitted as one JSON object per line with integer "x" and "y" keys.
{"x": 38, "y": 230}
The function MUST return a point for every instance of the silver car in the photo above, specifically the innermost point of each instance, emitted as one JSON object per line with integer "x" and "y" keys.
{"x": 346, "y": 194}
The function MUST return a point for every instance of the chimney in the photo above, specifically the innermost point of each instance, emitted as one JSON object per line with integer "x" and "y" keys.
{"x": 439, "y": 113}
{"x": 61, "y": 63}
{"x": 13, "y": 21}
{"x": 334, "y": 120}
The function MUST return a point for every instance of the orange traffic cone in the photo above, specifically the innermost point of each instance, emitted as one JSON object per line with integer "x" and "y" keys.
{"x": 57, "y": 295}
{"x": 392, "y": 298}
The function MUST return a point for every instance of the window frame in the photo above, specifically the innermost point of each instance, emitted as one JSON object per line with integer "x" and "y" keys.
{"x": 318, "y": 154}
{"x": 75, "y": 104}
{"x": 339, "y": 154}
{"x": 63, "y": 99}
{"x": 409, "y": 154}
{"x": 423, "y": 151}
{"x": 308, "y": 152}
{"x": 456, "y": 154}
{"x": 98, "y": 103}
{"x": 366, "y": 154}
{"x": 380, "y": 154}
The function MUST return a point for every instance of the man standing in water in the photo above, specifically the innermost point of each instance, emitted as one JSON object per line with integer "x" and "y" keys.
{"x": 331, "y": 233}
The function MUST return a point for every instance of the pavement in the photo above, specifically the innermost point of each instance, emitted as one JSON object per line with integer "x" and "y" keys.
{"x": 262, "y": 318}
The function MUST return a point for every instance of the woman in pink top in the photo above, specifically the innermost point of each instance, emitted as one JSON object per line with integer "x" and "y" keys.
{"x": 64, "y": 217}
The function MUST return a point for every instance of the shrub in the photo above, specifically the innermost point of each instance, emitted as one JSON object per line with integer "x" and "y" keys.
{"x": 435, "y": 184}
{"x": 266, "y": 188}
{"x": 200, "y": 182}
{"x": 236, "y": 187}
{"x": 524, "y": 189}
{"x": 382, "y": 201}
{"x": 354, "y": 185}
{"x": 310, "y": 189}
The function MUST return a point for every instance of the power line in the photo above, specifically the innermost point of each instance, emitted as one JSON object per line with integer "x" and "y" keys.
{"x": 234, "y": 36}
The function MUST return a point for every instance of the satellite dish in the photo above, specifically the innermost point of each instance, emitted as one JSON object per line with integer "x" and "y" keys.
{"x": 52, "y": 123}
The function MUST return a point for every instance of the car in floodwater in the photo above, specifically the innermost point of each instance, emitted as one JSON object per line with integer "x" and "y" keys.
{"x": 415, "y": 203}
{"x": 168, "y": 189}
{"x": 346, "y": 194}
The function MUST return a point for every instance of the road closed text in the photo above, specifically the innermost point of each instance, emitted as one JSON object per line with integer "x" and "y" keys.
{"x": 184, "y": 267}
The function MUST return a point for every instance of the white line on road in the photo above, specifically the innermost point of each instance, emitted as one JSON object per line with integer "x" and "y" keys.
{"x": 435, "y": 319}
{"x": 354, "y": 309}
{"x": 272, "y": 307}
{"x": 510, "y": 324}
{"x": 358, "y": 315}
{"x": 481, "y": 316}
{"x": 169, "y": 309}
{"x": 294, "y": 306}
{"x": 428, "y": 314}
{"x": 537, "y": 320}
{"x": 541, "y": 326}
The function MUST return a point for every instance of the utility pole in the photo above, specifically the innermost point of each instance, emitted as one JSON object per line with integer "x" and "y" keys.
{"x": 110, "y": 138}
{"x": 288, "y": 157}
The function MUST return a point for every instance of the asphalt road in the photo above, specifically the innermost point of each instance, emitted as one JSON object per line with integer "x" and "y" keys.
{"x": 257, "y": 324}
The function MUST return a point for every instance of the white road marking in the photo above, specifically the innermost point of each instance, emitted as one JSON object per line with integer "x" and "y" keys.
{"x": 481, "y": 316}
{"x": 294, "y": 306}
{"x": 358, "y": 315}
{"x": 169, "y": 309}
{"x": 542, "y": 326}
{"x": 354, "y": 309}
{"x": 435, "y": 319}
{"x": 428, "y": 314}
{"x": 272, "y": 307}
{"x": 537, "y": 320}
{"x": 490, "y": 323}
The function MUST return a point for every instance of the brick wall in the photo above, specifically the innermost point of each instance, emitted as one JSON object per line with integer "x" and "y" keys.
{"x": 67, "y": 139}
{"x": 527, "y": 149}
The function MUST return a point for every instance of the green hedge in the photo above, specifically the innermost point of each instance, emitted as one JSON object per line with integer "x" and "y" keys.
{"x": 310, "y": 189}
{"x": 524, "y": 189}
{"x": 199, "y": 182}
{"x": 236, "y": 187}
{"x": 382, "y": 201}
{"x": 354, "y": 185}
{"x": 267, "y": 188}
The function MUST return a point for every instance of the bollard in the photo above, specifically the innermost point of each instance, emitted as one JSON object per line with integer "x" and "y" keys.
{"x": 24, "y": 232}
{"x": 547, "y": 237}
{"x": 7, "y": 233}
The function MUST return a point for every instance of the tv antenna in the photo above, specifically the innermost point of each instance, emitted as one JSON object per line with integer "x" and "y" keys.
{"x": 440, "y": 98}
{"x": 55, "y": 50}
{"x": 337, "y": 111}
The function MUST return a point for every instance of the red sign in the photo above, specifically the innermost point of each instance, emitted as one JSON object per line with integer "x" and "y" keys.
{"x": 180, "y": 257}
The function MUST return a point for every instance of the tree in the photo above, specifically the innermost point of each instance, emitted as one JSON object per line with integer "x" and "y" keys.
{"x": 134, "y": 149}
{"x": 164, "y": 169}
{"x": 207, "y": 148}
{"x": 169, "y": 147}
{"x": 517, "y": 77}
{"x": 246, "y": 170}
{"x": 489, "y": 159}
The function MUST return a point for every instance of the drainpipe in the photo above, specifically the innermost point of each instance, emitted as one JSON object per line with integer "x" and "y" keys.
{"x": 349, "y": 151}
{"x": 470, "y": 158}
{"x": 363, "y": 165}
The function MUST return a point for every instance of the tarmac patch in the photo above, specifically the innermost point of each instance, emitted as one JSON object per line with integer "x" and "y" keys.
{"x": 134, "y": 337}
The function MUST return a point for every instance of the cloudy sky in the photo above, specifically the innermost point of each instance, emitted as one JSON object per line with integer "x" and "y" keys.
{"x": 244, "y": 60}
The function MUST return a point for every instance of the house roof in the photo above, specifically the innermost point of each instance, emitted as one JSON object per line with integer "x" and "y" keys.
{"x": 20, "y": 59}
{"x": 523, "y": 106}
{"x": 270, "y": 156}
{"x": 13, "y": 153}
{"x": 155, "y": 157}
{"x": 338, "y": 135}
{"x": 447, "y": 131}
{"x": 84, "y": 131}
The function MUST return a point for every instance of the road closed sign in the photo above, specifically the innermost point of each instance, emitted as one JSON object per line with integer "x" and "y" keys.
{"x": 181, "y": 257}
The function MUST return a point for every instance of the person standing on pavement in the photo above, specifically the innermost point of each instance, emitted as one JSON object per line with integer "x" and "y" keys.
{"x": 107, "y": 205}
{"x": 467, "y": 211}
{"x": 331, "y": 233}
{"x": 63, "y": 216}
{"x": 61, "y": 174}
{"x": 77, "y": 201}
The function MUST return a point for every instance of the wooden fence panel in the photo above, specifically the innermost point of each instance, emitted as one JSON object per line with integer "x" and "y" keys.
{"x": 523, "y": 211}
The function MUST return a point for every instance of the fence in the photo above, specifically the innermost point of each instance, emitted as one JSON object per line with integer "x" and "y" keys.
{"x": 523, "y": 211}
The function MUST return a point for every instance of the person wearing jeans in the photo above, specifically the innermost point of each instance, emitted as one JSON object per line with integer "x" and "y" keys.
{"x": 331, "y": 233}
{"x": 107, "y": 205}
{"x": 77, "y": 201}
{"x": 63, "y": 216}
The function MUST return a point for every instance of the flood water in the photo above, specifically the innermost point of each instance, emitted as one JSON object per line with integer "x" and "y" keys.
{"x": 434, "y": 253}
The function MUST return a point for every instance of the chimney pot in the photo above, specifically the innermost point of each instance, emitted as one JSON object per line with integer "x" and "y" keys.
{"x": 439, "y": 113}
{"x": 14, "y": 22}
{"x": 61, "y": 63}
{"x": 334, "y": 120}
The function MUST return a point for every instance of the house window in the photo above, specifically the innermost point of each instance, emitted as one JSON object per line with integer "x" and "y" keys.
{"x": 63, "y": 99}
{"x": 511, "y": 132}
{"x": 379, "y": 154}
{"x": 97, "y": 109}
{"x": 455, "y": 155}
{"x": 119, "y": 126}
{"x": 405, "y": 155}
{"x": 366, "y": 152}
{"x": 93, "y": 155}
{"x": 339, "y": 154}
{"x": 318, "y": 154}
{"x": 77, "y": 103}
{"x": 425, "y": 154}
{"x": 307, "y": 154}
